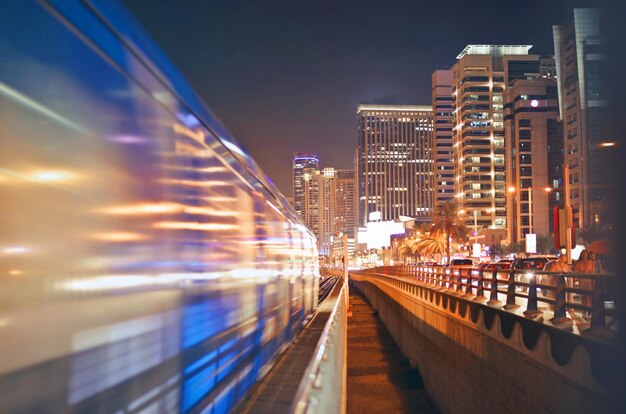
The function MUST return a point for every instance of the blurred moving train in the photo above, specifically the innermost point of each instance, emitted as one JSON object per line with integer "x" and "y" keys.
{"x": 146, "y": 262}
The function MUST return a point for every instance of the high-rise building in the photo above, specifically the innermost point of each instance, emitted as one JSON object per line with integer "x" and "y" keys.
{"x": 310, "y": 200}
{"x": 534, "y": 156}
{"x": 345, "y": 203}
{"x": 319, "y": 205}
{"x": 395, "y": 161}
{"x": 442, "y": 131}
{"x": 580, "y": 62}
{"x": 301, "y": 161}
{"x": 479, "y": 78}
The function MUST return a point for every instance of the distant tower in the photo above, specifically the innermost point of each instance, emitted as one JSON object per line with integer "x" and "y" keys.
{"x": 395, "y": 161}
{"x": 580, "y": 65}
{"x": 301, "y": 161}
{"x": 443, "y": 116}
{"x": 319, "y": 205}
{"x": 345, "y": 203}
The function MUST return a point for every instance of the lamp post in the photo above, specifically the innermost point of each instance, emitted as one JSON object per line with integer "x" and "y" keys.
{"x": 530, "y": 209}
{"x": 475, "y": 226}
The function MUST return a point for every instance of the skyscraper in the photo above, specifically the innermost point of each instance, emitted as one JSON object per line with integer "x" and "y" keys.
{"x": 310, "y": 200}
{"x": 580, "y": 62}
{"x": 443, "y": 124}
{"x": 345, "y": 203}
{"x": 534, "y": 156}
{"x": 479, "y": 79}
{"x": 395, "y": 161}
{"x": 319, "y": 205}
{"x": 301, "y": 161}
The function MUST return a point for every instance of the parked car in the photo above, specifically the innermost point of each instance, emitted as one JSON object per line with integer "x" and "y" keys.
{"x": 456, "y": 264}
{"x": 500, "y": 267}
{"x": 461, "y": 262}
{"x": 484, "y": 265}
{"x": 536, "y": 263}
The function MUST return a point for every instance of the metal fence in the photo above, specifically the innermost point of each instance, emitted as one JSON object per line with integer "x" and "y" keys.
{"x": 587, "y": 297}
{"x": 323, "y": 386}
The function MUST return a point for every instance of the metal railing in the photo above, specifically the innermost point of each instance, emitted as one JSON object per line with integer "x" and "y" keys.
{"x": 589, "y": 298}
{"x": 323, "y": 386}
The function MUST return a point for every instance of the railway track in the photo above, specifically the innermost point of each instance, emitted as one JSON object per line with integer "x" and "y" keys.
{"x": 326, "y": 286}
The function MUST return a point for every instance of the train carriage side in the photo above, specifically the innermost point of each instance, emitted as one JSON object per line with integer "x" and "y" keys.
{"x": 145, "y": 261}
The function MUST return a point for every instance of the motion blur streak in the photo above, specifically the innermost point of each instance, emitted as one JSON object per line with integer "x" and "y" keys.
{"x": 146, "y": 262}
{"x": 29, "y": 103}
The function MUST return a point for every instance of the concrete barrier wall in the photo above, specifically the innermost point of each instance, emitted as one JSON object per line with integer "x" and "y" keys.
{"x": 478, "y": 359}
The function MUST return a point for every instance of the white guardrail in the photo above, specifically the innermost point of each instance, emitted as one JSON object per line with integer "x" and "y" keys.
{"x": 323, "y": 386}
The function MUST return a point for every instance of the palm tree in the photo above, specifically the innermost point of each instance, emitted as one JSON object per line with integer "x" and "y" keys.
{"x": 496, "y": 250}
{"x": 409, "y": 247}
{"x": 404, "y": 249}
{"x": 449, "y": 221}
{"x": 432, "y": 243}
{"x": 545, "y": 244}
{"x": 514, "y": 247}
{"x": 593, "y": 232}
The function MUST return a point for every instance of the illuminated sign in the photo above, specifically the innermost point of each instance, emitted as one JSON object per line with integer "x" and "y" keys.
{"x": 531, "y": 243}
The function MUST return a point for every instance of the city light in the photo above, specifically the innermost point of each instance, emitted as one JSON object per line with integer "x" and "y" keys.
{"x": 118, "y": 237}
{"x": 607, "y": 144}
{"x": 51, "y": 176}
{"x": 143, "y": 209}
{"x": 16, "y": 250}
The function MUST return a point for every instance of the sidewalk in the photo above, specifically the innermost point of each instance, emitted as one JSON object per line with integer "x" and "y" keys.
{"x": 380, "y": 379}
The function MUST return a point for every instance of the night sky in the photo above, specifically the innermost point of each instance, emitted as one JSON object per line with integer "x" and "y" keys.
{"x": 287, "y": 76}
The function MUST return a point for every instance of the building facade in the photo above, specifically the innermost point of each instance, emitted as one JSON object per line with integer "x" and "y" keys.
{"x": 534, "y": 157}
{"x": 479, "y": 79}
{"x": 345, "y": 203}
{"x": 310, "y": 200}
{"x": 443, "y": 122}
{"x": 580, "y": 62}
{"x": 319, "y": 206}
{"x": 301, "y": 161}
{"x": 328, "y": 204}
{"x": 395, "y": 161}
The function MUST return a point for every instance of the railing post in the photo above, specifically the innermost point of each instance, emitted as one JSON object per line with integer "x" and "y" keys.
{"x": 442, "y": 276}
{"x": 493, "y": 289}
{"x": 532, "y": 311}
{"x": 451, "y": 280}
{"x": 459, "y": 283}
{"x": 480, "y": 287}
{"x": 468, "y": 286}
{"x": 598, "y": 319}
{"x": 510, "y": 292}
{"x": 560, "y": 309}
